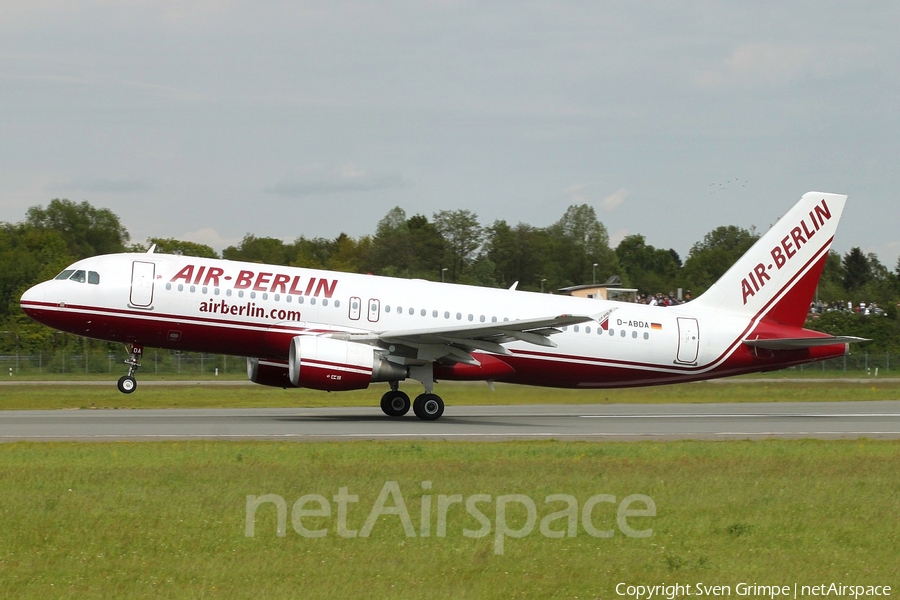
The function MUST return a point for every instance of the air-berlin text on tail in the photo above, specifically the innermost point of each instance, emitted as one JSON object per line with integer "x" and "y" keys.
{"x": 800, "y": 235}
{"x": 260, "y": 281}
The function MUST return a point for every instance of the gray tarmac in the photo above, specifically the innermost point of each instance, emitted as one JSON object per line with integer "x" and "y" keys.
{"x": 613, "y": 422}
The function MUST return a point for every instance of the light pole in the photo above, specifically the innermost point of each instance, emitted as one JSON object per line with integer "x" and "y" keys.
{"x": 595, "y": 273}
{"x": 542, "y": 285}
{"x": 442, "y": 274}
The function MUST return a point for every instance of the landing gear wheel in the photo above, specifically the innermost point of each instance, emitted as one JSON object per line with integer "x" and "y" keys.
{"x": 395, "y": 403}
{"x": 428, "y": 407}
{"x": 127, "y": 384}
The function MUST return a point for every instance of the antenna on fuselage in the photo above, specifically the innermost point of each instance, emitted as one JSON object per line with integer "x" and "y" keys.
{"x": 152, "y": 249}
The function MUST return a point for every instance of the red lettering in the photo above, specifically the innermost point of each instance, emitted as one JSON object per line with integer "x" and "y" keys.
{"x": 261, "y": 280}
{"x": 294, "y": 283}
{"x": 279, "y": 281}
{"x": 212, "y": 277}
{"x": 806, "y": 230}
{"x": 244, "y": 279}
{"x": 797, "y": 236}
{"x": 746, "y": 290}
{"x": 324, "y": 286}
{"x": 788, "y": 246}
{"x": 309, "y": 286}
{"x": 234, "y": 309}
{"x": 185, "y": 273}
{"x": 778, "y": 257}
{"x": 761, "y": 274}
{"x": 823, "y": 212}
{"x": 199, "y": 275}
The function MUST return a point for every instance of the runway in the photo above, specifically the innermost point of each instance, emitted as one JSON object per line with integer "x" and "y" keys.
{"x": 614, "y": 422}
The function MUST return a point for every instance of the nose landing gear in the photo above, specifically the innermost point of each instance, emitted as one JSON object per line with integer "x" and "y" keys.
{"x": 127, "y": 383}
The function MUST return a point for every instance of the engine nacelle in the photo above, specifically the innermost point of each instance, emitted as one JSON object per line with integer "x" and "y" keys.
{"x": 324, "y": 363}
{"x": 269, "y": 372}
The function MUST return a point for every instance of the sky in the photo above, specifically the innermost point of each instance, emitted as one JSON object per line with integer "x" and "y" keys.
{"x": 207, "y": 120}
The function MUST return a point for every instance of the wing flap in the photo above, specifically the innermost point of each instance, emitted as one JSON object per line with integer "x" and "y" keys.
{"x": 800, "y": 343}
{"x": 454, "y": 343}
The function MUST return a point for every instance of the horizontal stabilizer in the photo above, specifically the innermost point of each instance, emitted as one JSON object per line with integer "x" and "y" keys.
{"x": 800, "y": 343}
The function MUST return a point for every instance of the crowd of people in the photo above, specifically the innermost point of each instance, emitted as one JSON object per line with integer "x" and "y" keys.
{"x": 661, "y": 299}
{"x": 817, "y": 307}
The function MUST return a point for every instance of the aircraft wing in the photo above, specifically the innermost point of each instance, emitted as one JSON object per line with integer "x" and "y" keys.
{"x": 455, "y": 343}
{"x": 799, "y": 343}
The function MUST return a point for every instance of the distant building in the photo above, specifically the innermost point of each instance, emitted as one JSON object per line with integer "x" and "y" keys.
{"x": 609, "y": 290}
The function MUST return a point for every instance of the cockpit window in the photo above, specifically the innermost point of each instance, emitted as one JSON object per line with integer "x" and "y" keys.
{"x": 92, "y": 277}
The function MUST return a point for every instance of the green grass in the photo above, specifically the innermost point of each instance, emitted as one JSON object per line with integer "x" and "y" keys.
{"x": 201, "y": 396}
{"x": 168, "y": 519}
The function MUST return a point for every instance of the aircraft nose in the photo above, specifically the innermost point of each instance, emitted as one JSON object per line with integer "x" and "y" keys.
{"x": 33, "y": 295}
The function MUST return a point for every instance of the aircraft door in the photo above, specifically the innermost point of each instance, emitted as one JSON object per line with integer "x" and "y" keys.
{"x": 688, "y": 340}
{"x": 355, "y": 308}
{"x": 374, "y": 309}
{"x": 142, "y": 275}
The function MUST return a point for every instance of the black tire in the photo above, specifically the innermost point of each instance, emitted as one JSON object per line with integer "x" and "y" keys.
{"x": 127, "y": 384}
{"x": 395, "y": 403}
{"x": 428, "y": 407}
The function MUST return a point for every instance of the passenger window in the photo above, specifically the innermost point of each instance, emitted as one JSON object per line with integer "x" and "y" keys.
{"x": 78, "y": 276}
{"x": 412, "y": 311}
{"x": 93, "y": 277}
{"x": 65, "y": 274}
{"x": 446, "y": 314}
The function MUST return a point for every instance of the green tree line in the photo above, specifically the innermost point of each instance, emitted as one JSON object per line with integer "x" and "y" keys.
{"x": 451, "y": 245}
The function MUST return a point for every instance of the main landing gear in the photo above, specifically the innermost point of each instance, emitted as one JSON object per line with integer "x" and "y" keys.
{"x": 428, "y": 407}
{"x": 127, "y": 383}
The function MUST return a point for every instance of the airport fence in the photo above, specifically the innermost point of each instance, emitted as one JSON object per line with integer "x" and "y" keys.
{"x": 166, "y": 363}
{"x": 195, "y": 365}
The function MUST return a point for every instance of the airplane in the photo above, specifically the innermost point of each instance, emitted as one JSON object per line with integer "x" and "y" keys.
{"x": 337, "y": 331}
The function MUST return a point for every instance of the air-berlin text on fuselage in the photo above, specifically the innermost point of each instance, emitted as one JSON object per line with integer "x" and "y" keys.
{"x": 800, "y": 235}
{"x": 260, "y": 281}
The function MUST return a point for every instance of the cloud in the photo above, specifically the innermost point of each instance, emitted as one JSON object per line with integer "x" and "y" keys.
{"x": 581, "y": 193}
{"x": 614, "y": 200}
{"x": 210, "y": 237}
{"x": 766, "y": 63}
{"x": 616, "y": 237}
{"x": 321, "y": 180}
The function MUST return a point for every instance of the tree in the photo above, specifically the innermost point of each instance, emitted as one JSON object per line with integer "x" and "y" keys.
{"x": 711, "y": 257}
{"x": 182, "y": 248}
{"x": 462, "y": 236}
{"x": 87, "y": 231}
{"x": 406, "y": 247}
{"x": 857, "y": 270}
{"x": 578, "y": 241}
{"x": 259, "y": 249}
{"x": 649, "y": 269}
{"x": 520, "y": 253}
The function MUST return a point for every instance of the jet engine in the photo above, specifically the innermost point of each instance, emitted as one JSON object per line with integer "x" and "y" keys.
{"x": 269, "y": 372}
{"x": 324, "y": 363}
